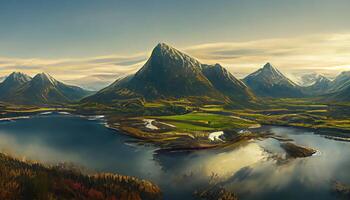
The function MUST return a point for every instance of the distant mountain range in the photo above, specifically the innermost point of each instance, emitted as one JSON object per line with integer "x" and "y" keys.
{"x": 308, "y": 79}
{"x": 169, "y": 73}
{"x": 335, "y": 90}
{"x": 42, "y": 89}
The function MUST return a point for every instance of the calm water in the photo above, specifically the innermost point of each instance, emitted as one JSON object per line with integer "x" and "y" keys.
{"x": 250, "y": 170}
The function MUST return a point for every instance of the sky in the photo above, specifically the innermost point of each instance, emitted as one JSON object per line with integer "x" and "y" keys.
{"x": 91, "y": 43}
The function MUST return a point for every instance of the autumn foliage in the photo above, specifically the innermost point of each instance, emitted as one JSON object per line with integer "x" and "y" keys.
{"x": 26, "y": 180}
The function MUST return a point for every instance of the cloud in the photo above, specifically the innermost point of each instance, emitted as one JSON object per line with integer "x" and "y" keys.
{"x": 328, "y": 54}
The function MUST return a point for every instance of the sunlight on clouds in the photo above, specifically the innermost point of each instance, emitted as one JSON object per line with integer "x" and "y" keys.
{"x": 328, "y": 54}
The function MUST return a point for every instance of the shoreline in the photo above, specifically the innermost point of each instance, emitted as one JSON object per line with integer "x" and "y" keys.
{"x": 175, "y": 141}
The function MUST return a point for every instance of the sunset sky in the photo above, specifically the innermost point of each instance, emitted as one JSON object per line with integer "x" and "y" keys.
{"x": 88, "y": 42}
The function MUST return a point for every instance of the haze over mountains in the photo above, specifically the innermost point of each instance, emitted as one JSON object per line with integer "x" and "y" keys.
{"x": 171, "y": 74}
{"x": 310, "y": 79}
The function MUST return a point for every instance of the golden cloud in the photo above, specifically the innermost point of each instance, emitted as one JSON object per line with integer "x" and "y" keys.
{"x": 327, "y": 54}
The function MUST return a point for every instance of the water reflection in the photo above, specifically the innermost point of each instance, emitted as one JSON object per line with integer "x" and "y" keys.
{"x": 220, "y": 163}
{"x": 304, "y": 178}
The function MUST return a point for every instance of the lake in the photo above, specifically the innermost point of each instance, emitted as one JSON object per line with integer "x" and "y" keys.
{"x": 250, "y": 170}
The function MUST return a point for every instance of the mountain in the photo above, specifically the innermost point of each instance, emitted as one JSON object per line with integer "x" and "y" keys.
{"x": 269, "y": 82}
{"x": 307, "y": 80}
{"x": 169, "y": 73}
{"x": 319, "y": 85}
{"x": 2, "y": 78}
{"x": 43, "y": 89}
{"x": 336, "y": 90}
{"x": 14, "y": 81}
{"x": 343, "y": 95}
{"x": 339, "y": 89}
{"x": 341, "y": 82}
{"x": 226, "y": 83}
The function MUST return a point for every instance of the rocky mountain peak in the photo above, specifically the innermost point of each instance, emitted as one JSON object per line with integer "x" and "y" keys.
{"x": 269, "y": 81}
{"x": 322, "y": 78}
{"x": 163, "y": 46}
{"x": 268, "y": 66}
{"x": 163, "y": 49}
{"x": 165, "y": 55}
{"x": 44, "y": 78}
{"x": 269, "y": 70}
{"x": 18, "y": 77}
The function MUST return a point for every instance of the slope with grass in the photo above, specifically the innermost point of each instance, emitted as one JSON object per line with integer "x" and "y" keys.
{"x": 29, "y": 180}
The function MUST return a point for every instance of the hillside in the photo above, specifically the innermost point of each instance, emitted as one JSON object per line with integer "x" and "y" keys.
{"x": 25, "y": 180}
{"x": 341, "y": 82}
{"x": 227, "y": 84}
{"x": 320, "y": 85}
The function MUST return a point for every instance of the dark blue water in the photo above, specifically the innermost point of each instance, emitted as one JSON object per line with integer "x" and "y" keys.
{"x": 249, "y": 170}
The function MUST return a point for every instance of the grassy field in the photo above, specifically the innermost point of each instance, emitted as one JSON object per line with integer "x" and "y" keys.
{"x": 200, "y": 121}
{"x": 301, "y": 113}
{"x": 288, "y": 112}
